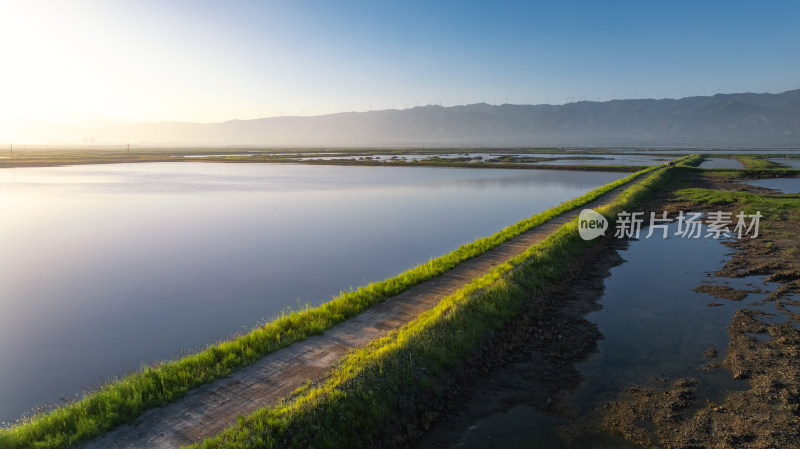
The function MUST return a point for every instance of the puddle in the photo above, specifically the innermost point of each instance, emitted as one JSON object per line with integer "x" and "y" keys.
{"x": 719, "y": 162}
{"x": 783, "y": 185}
{"x": 792, "y": 308}
{"x": 759, "y": 336}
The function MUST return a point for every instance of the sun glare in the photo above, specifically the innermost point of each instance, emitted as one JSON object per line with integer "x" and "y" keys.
{"x": 56, "y": 62}
{"x": 26, "y": 84}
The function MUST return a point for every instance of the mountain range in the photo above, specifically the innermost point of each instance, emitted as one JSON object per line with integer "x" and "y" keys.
{"x": 737, "y": 120}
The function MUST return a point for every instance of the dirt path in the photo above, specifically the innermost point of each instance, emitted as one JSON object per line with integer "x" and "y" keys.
{"x": 209, "y": 409}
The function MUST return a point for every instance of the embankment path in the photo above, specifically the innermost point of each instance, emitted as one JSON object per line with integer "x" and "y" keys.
{"x": 210, "y": 409}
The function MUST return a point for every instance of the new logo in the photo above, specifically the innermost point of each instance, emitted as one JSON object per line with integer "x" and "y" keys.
{"x": 591, "y": 224}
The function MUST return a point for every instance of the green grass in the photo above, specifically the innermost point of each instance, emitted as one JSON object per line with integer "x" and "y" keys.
{"x": 125, "y": 399}
{"x": 742, "y": 173}
{"x": 756, "y": 162}
{"x": 373, "y": 386}
{"x": 780, "y": 215}
{"x": 781, "y": 207}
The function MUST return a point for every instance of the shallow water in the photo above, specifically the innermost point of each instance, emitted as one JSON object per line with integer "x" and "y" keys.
{"x": 721, "y": 162}
{"x": 654, "y": 325}
{"x": 783, "y": 185}
{"x": 556, "y": 159}
{"x": 789, "y": 162}
{"x": 633, "y": 159}
{"x": 710, "y": 151}
{"x": 106, "y": 267}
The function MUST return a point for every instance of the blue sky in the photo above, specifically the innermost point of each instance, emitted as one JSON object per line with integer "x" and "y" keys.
{"x": 219, "y": 60}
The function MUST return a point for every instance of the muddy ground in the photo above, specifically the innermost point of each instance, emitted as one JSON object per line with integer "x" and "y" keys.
{"x": 534, "y": 361}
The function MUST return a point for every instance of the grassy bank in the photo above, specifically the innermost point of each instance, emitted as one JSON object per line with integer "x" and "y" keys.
{"x": 755, "y": 162}
{"x": 125, "y": 399}
{"x": 739, "y": 173}
{"x": 397, "y": 375}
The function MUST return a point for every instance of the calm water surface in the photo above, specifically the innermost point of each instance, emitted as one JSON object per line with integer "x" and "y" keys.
{"x": 788, "y": 162}
{"x": 653, "y": 324}
{"x": 783, "y": 185}
{"x": 106, "y": 267}
{"x": 632, "y": 159}
{"x": 556, "y": 159}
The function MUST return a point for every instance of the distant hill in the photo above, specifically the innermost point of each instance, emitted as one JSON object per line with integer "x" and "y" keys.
{"x": 739, "y": 120}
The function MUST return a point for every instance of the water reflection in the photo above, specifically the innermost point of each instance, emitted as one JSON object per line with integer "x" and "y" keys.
{"x": 105, "y": 267}
{"x": 789, "y": 162}
{"x": 553, "y": 158}
{"x": 783, "y": 185}
{"x": 653, "y": 325}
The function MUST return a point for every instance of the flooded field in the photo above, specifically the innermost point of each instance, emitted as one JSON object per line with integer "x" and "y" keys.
{"x": 783, "y": 185}
{"x": 106, "y": 267}
{"x": 710, "y": 151}
{"x": 788, "y": 162}
{"x": 633, "y": 159}
{"x": 655, "y": 325}
{"x": 551, "y": 158}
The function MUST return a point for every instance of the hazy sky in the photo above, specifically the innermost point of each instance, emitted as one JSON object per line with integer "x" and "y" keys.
{"x": 219, "y": 60}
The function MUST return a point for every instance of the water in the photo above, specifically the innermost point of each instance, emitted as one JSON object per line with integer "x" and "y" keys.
{"x": 709, "y": 150}
{"x": 513, "y": 429}
{"x": 653, "y": 324}
{"x": 788, "y": 162}
{"x": 555, "y": 159}
{"x": 783, "y": 185}
{"x": 633, "y": 159}
{"x": 719, "y": 162}
{"x": 105, "y": 267}
{"x": 221, "y": 155}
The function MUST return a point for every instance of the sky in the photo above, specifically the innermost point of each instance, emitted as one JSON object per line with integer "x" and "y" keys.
{"x": 212, "y": 61}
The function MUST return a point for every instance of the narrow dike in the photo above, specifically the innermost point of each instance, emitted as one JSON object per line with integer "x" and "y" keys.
{"x": 304, "y": 359}
{"x": 376, "y": 395}
{"x": 215, "y": 407}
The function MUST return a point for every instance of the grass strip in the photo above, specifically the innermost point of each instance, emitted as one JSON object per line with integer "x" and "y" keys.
{"x": 740, "y": 173}
{"x": 774, "y": 208}
{"x": 123, "y": 400}
{"x": 374, "y": 385}
{"x": 756, "y": 161}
